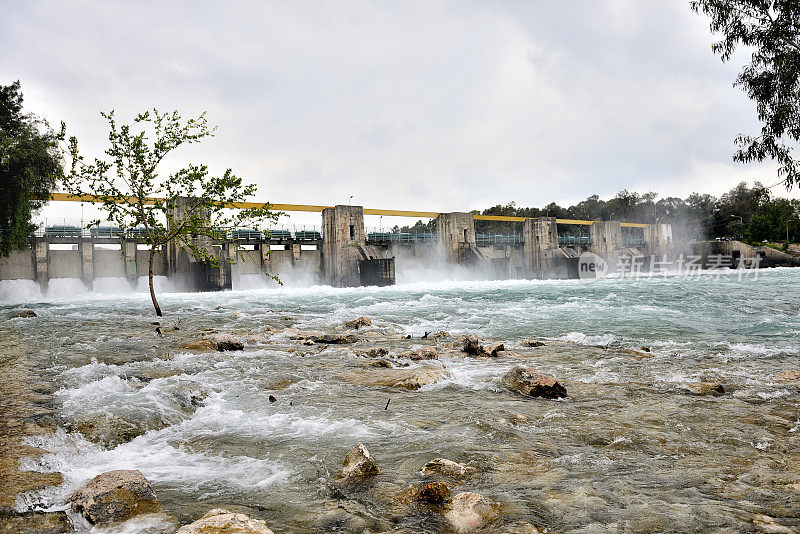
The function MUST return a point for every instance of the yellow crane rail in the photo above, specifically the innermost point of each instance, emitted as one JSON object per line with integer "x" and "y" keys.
{"x": 67, "y": 197}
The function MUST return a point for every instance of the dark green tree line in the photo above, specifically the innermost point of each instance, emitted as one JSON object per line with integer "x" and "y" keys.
{"x": 30, "y": 167}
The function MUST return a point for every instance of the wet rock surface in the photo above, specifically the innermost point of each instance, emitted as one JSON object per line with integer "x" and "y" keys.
{"x": 113, "y": 497}
{"x": 532, "y": 383}
{"x": 24, "y": 314}
{"x": 225, "y": 342}
{"x": 361, "y": 322}
{"x": 358, "y": 464}
{"x": 467, "y": 511}
{"x": 220, "y": 521}
{"x": 35, "y": 522}
{"x": 445, "y": 467}
{"x": 629, "y": 440}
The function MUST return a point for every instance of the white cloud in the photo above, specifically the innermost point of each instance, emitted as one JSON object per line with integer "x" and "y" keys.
{"x": 412, "y": 105}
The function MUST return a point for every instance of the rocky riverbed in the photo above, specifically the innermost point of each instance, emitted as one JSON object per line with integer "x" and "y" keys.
{"x": 245, "y": 410}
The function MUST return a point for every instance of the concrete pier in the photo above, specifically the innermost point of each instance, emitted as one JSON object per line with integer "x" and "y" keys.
{"x": 456, "y": 236}
{"x": 86, "y": 252}
{"x": 541, "y": 245}
{"x": 40, "y": 260}
{"x": 343, "y": 227}
{"x": 658, "y": 240}
{"x": 606, "y": 241}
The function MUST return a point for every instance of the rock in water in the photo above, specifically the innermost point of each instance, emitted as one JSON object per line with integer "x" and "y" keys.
{"x": 225, "y": 342}
{"x": 335, "y": 339}
{"x": 358, "y": 464}
{"x": 424, "y": 353}
{"x": 199, "y": 345}
{"x": 473, "y": 347}
{"x": 532, "y": 343}
{"x": 445, "y": 467}
{"x": 532, "y": 383}
{"x": 114, "y": 496}
{"x": 434, "y": 493}
{"x": 788, "y": 376}
{"x": 358, "y": 323}
{"x": 25, "y": 314}
{"x": 218, "y": 521}
{"x": 468, "y": 511}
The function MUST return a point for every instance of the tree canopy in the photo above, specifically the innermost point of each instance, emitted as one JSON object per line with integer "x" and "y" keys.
{"x": 30, "y": 167}
{"x": 188, "y": 208}
{"x": 771, "y": 29}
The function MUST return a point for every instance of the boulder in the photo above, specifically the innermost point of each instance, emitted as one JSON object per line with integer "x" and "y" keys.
{"x": 219, "y": 521}
{"x": 532, "y": 383}
{"x": 445, "y": 467}
{"x": 440, "y": 334}
{"x": 789, "y": 375}
{"x": 358, "y": 464}
{"x": 376, "y": 352}
{"x": 423, "y": 353}
{"x": 334, "y": 339}
{"x": 25, "y": 314}
{"x": 358, "y": 323}
{"x": 198, "y": 345}
{"x": 224, "y": 342}
{"x": 468, "y": 511}
{"x": 411, "y": 378}
{"x": 532, "y": 343}
{"x": 473, "y": 347}
{"x": 434, "y": 493}
{"x": 114, "y": 497}
{"x": 495, "y": 349}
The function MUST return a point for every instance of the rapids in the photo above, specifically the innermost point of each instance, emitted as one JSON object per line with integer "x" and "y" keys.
{"x": 633, "y": 448}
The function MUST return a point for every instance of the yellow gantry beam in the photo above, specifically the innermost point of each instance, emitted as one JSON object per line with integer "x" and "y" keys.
{"x": 61, "y": 197}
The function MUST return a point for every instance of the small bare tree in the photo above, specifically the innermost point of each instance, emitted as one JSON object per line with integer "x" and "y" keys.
{"x": 182, "y": 208}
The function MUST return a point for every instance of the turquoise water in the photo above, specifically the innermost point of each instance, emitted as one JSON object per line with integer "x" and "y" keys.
{"x": 633, "y": 448}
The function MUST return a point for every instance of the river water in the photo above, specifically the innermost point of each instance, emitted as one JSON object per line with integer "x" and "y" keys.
{"x": 638, "y": 446}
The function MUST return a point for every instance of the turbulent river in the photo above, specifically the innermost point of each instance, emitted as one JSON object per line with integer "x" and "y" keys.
{"x": 645, "y": 441}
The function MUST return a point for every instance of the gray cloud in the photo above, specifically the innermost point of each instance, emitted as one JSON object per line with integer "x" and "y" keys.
{"x": 412, "y": 105}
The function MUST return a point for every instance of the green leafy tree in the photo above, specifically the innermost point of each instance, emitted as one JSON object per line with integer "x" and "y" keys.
{"x": 30, "y": 167}
{"x": 771, "y": 29}
{"x": 188, "y": 208}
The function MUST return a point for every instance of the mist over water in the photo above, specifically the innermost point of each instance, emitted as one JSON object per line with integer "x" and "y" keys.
{"x": 632, "y": 448}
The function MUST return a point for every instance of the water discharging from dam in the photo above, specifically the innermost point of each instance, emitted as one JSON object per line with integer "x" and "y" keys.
{"x": 637, "y": 445}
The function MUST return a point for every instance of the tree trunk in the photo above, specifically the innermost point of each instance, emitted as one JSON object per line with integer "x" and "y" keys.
{"x": 150, "y": 279}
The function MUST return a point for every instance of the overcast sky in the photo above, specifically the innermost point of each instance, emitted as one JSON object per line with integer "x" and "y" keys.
{"x": 441, "y": 106}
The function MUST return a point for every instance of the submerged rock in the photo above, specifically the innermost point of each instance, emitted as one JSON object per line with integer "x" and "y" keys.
{"x": 788, "y": 376}
{"x": 445, "y": 467}
{"x": 108, "y": 430}
{"x": 532, "y": 383}
{"x": 38, "y": 522}
{"x": 358, "y": 464}
{"x": 114, "y": 496}
{"x": 532, "y": 343}
{"x": 376, "y": 352}
{"x": 358, "y": 323}
{"x": 468, "y": 511}
{"x": 423, "y": 353}
{"x": 25, "y": 314}
{"x": 405, "y": 378}
{"x": 219, "y": 521}
{"x": 434, "y": 493}
{"x": 225, "y": 342}
{"x": 198, "y": 345}
{"x": 705, "y": 388}
{"x": 335, "y": 339}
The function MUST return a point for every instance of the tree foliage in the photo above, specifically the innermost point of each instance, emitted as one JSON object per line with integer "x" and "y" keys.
{"x": 30, "y": 167}
{"x": 186, "y": 208}
{"x": 745, "y": 212}
{"x": 771, "y": 28}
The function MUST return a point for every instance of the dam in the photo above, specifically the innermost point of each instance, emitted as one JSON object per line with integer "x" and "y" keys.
{"x": 343, "y": 253}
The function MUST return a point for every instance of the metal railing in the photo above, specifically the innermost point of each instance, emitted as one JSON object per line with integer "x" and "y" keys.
{"x": 499, "y": 239}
